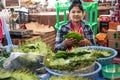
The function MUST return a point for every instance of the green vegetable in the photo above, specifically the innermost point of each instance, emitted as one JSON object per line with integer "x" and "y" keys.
{"x": 17, "y": 75}
{"x": 61, "y": 54}
{"x": 37, "y": 46}
{"x": 74, "y": 35}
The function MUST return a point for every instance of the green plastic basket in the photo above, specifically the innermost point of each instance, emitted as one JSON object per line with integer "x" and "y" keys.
{"x": 111, "y": 71}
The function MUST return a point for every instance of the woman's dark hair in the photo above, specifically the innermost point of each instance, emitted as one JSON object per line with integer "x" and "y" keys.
{"x": 77, "y": 3}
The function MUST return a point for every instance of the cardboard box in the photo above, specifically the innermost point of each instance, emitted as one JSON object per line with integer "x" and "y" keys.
{"x": 113, "y": 34}
{"x": 114, "y": 44}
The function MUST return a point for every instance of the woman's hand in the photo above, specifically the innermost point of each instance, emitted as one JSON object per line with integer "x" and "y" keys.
{"x": 69, "y": 42}
{"x": 84, "y": 42}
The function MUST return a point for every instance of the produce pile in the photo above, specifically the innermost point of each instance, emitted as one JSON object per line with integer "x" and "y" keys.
{"x": 76, "y": 59}
{"x": 17, "y": 75}
{"x": 37, "y": 46}
{"x": 74, "y": 35}
{"x": 28, "y": 56}
{"x": 67, "y": 78}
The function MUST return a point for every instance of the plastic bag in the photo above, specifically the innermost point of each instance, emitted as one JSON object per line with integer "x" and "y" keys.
{"x": 23, "y": 61}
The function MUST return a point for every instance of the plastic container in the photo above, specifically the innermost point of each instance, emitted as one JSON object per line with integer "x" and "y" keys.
{"x": 92, "y": 75}
{"x": 111, "y": 71}
{"x": 107, "y": 60}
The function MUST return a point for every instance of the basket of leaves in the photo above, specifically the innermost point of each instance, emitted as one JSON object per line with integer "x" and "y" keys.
{"x": 87, "y": 76}
{"x": 104, "y": 55}
{"x": 70, "y": 63}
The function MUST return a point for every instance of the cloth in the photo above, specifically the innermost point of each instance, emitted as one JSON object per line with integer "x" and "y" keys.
{"x": 64, "y": 29}
{"x": 1, "y": 30}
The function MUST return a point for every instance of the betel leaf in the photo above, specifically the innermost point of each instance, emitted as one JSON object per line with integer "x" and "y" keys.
{"x": 74, "y": 35}
{"x": 61, "y": 54}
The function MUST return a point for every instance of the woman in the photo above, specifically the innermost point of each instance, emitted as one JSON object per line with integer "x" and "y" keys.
{"x": 75, "y": 24}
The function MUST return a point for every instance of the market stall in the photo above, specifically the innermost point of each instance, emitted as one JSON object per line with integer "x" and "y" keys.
{"x": 28, "y": 41}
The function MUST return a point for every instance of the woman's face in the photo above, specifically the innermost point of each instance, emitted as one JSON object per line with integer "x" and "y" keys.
{"x": 75, "y": 14}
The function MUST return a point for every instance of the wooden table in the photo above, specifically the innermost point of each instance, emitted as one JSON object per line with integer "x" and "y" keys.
{"x": 47, "y": 18}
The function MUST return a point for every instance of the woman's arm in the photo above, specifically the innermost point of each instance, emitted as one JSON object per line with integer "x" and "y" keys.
{"x": 60, "y": 39}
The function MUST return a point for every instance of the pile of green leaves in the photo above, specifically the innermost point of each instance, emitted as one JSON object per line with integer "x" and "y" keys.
{"x": 63, "y": 60}
{"x": 75, "y": 59}
{"x": 17, "y": 75}
{"x": 74, "y": 35}
{"x": 36, "y": 46}
{"x": 67, "y": 78}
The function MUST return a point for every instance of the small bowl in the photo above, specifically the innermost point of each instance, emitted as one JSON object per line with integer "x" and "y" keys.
{"x": 111, "y": 71}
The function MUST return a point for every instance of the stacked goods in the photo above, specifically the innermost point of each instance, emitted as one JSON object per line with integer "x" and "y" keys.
{"x": 114, "y": 35}
{"x": 113, "y": 39}
{"x": 46, "y": 32}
